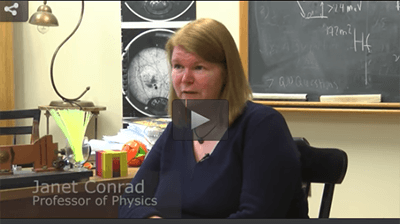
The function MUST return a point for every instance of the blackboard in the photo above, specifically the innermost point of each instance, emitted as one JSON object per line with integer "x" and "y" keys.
{"x": 325, "y": 48}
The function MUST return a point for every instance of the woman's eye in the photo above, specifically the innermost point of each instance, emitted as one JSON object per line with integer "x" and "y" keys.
{"x": 199, "y": 67}
{"x": 177, "y": 66}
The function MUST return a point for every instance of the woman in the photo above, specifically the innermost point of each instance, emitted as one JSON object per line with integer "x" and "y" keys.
{"x": 255, "y": 173}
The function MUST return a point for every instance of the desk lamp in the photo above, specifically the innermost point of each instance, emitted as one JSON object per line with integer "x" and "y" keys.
{"x": 72, "y": 121}
{"x": 45, "y": 18}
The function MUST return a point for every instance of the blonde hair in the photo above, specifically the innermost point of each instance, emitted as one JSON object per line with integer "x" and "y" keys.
{"x": 212, "y": 41}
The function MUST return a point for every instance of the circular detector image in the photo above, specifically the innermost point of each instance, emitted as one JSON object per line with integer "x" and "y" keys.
{"x": 147, "y": 85}
{"x": 158, "y": 10}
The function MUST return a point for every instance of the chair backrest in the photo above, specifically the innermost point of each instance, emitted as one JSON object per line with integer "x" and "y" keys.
{"x": 322, "y": 165}
{"x": 33, "y": 130}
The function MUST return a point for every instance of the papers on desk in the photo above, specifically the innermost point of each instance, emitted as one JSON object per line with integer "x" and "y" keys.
{"x": 132, "y": 132}
{"x": 99, "y": 145}
{"x": 146, "y": 130}
{"x": 125, "y": 135}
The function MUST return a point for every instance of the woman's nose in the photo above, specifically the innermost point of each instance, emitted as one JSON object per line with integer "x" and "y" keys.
{"x": 188, "y": 76}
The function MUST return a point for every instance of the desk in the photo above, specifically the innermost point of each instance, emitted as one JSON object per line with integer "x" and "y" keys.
{"x": 95, "y": 111}
{"x": 20, "y": 202}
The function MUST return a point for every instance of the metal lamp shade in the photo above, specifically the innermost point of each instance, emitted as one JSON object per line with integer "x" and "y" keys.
{"x": 43, "y": 17}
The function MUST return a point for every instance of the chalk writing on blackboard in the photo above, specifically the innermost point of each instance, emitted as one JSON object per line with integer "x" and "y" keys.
{"x": 325, "y": 47}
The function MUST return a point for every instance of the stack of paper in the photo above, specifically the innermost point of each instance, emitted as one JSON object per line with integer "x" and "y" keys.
{"x": 135, "y": 131}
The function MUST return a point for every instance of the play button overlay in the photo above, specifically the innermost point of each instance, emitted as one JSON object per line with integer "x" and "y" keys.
{"x": 197, "y": 120}
{"x": 200, "y": 120}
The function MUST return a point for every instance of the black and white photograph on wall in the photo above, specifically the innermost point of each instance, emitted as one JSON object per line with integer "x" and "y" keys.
{"x": 145, "y": 73}
{"x": 139, "y": 11}
{"x": 146, "y": 27}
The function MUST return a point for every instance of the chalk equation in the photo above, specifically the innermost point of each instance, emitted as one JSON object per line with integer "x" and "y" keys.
{"x": 362, "y": 41}
{"x": 313, "y": 14}
{"x": 296, "y": 47}
{"x": 319, "y": 12}
{"x": 337, "y": 31}
{"x": 325, "y": 47}
{"x": 322, "y": 10}
{"x": 396, "y": 57}
{"x": 342, "y": 8}
{"x": 358, "y": 38}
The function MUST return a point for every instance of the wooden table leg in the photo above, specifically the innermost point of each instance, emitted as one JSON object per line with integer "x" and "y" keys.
{"x": 95, "y": 114}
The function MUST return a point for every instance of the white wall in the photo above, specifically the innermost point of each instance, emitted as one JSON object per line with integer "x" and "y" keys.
{"x": 92, "y": 57}
{"x": 371, "y": 188}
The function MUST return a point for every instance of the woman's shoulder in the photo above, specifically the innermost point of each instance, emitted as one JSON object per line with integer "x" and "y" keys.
{"x": 257, "y": 111}
{"x": 255, "y": 114}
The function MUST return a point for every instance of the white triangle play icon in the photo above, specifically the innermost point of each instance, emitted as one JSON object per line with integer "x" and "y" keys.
{"x": 197, "y": 120}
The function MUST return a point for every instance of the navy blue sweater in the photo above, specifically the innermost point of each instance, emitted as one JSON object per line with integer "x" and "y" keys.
{"x": 254, "y": 174}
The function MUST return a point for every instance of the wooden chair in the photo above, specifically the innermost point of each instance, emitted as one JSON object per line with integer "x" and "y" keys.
{"x": 32, "y": 130}
{"x": 322, "y": 165}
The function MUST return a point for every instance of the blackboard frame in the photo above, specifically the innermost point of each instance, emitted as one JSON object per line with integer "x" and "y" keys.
{"x": 295, "y": 106}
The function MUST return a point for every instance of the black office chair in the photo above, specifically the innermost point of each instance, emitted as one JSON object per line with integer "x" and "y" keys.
{"x": 33, "y": 129}
{"x": 322, "y": 165}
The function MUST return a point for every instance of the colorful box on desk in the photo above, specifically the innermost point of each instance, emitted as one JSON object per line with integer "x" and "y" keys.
{"x": 111, "y": 163}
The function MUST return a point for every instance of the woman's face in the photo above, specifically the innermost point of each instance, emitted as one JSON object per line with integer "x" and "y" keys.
{"x": 193, "y": 77}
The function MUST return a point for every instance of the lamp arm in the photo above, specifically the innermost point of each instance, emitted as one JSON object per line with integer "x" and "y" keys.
{"x": 54, "y": 57}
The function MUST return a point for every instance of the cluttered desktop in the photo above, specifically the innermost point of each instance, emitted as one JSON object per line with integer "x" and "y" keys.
{"x": 59, "y": 186}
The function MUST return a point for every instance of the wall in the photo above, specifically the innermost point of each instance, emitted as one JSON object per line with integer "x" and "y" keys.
{"x": 371, "y": 187}
{"x": 92, "y": 57}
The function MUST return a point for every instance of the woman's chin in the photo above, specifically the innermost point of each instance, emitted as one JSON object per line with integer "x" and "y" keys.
{"x": 190, "y": 97}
